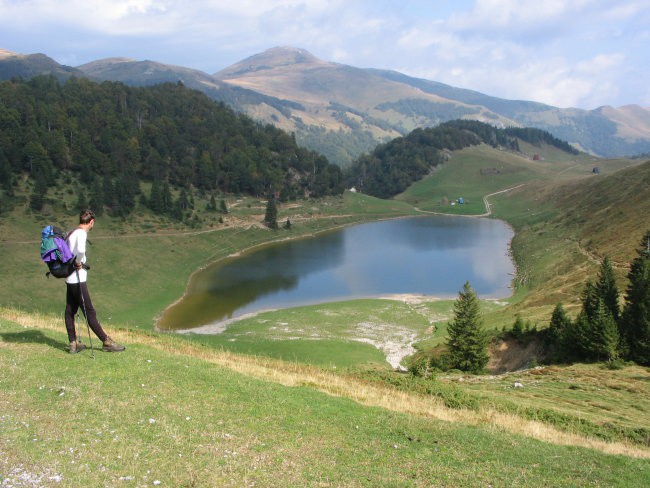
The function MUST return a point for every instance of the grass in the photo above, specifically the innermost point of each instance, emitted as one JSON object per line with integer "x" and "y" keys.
{"x": 349, "y": 334}
{"x": 183, "y": 415}
{"x": 196, "y": 411}
{"x": 462, "y": 176}
{"x": 615, "y": 402}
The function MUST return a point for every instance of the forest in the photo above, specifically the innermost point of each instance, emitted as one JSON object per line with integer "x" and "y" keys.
{"x": 112, "y": 137}
{"x": 392, "y": 167}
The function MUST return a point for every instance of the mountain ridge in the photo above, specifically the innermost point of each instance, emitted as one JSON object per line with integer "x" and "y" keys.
{"x": 343, "y": 111}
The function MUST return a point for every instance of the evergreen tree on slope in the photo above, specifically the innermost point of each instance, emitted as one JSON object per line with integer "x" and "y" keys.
{"x": 635, "y": 321}
{"x": 467, "y": 342}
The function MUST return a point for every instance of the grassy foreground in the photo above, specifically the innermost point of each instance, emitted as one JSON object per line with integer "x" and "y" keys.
{"x": 168, "y": 413}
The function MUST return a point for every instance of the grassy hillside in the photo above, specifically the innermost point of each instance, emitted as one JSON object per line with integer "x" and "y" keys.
{"x": 565, "y": 217}
{"x": 564, "y": 230}
{"x": 171, "y": 414}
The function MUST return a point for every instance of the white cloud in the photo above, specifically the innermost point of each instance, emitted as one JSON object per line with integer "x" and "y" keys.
{"x": 559, "y": 52}
{"x": 112, "y": 17}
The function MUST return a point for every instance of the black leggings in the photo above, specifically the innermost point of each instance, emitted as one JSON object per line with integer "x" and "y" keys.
{"x": 77, "y": 296}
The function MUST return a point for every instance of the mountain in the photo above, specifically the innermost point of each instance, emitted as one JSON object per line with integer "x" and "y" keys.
{"x": 384, "y": 102}
{"x": 146, "y": 73}
{"x": 343, "y": 111}
{"x": 343, "y": 104}
{"x": 14, "y": 65}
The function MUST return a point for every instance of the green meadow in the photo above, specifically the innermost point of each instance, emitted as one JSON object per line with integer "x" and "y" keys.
{"x": 168, "y": 414}
{"x": 307, "y": 396}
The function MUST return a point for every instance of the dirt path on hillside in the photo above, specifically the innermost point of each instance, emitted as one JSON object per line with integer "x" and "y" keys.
{"x": 488, "y": 205}
{"x": 242, "y": 224}
{"x": 255, "y": 221}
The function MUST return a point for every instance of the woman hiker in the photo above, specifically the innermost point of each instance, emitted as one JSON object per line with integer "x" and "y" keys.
{"x": 77, "y": 289}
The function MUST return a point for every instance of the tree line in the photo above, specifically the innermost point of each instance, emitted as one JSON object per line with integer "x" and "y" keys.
{"x": 112, "y": 137}
{"x": 392, "y": 167}
{"x": 602, "y": 330}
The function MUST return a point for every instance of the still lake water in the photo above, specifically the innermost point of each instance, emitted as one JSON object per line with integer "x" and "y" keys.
{"x": 423, "y": 255}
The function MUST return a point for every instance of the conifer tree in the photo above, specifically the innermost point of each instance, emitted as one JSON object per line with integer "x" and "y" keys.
{"x": 560, "y": 323}
{"x": 607, "y": 289}
{"x": 271, "y": 215}
{"x": 467, "y": 342}
{"x": 590, "y": 299}
{"x": 596, "y": 336}
{"x": 635, "y": 320}
{"x": 155, "y": 197}
{"x": 518, "y": 327}
{"x": 167, "y": 202}
{"x": 560, "y": 333}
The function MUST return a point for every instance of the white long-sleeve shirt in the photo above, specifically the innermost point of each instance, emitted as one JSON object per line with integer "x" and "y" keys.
{"x": 77, "y": 243}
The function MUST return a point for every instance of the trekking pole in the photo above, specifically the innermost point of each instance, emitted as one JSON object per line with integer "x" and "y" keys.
{"x": 83, "y": 304}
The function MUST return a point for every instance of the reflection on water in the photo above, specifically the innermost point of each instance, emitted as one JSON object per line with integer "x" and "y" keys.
{"x": 426, "y": 255}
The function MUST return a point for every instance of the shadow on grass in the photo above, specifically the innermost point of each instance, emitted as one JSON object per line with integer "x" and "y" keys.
{"x": 35, "y": 336}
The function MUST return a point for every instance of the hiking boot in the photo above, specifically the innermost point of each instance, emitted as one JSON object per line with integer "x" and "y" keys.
{"x": 76, "y": 346}
{"x": 111, "y": 346}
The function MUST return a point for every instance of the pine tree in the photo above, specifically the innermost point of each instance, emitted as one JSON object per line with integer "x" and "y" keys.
{"x": 560, "y": 323}
{"x": 223, "y": 208}
{"x": 635, "y": 320}
{"x": 560, "y": 333}
{"x": 467, "y": 342}
{"x": 271, "y": 215}
{"x": 212, "y": 204}
{"x": 167, "y": 203}
{"x": 590, "y": 299}
{"x": 596, "y": 336}
{"x": 607, "y": 289}
{"x": 155, "y": 197}
{"x": 518, "y": 327}
{"x": 605, "y": 338}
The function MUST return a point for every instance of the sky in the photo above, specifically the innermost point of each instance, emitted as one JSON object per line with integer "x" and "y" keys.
{"x": 566, "y": 53}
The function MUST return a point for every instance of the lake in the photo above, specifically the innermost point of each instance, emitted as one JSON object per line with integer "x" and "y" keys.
{"x": 431, "y": 255}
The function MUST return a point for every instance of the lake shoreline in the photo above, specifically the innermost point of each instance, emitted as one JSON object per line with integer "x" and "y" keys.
{"x": 175, "y": 316}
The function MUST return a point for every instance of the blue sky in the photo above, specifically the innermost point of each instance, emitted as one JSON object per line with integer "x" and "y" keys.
{"x": 567, "y": 53}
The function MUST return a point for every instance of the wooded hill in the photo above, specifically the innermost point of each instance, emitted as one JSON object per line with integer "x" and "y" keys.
{"x": 113, "y": 137}
{"x": 392, "y": 167}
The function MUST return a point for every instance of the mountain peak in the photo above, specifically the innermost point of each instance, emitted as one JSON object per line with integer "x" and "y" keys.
{"x": 6, "y": 54}
{"x": 276, "y": 57}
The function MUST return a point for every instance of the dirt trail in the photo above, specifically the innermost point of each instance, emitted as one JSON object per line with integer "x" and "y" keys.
{"x": 488, "y": 205}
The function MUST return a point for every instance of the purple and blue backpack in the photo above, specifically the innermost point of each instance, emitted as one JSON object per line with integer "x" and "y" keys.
{"x": 56, "y": 253}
